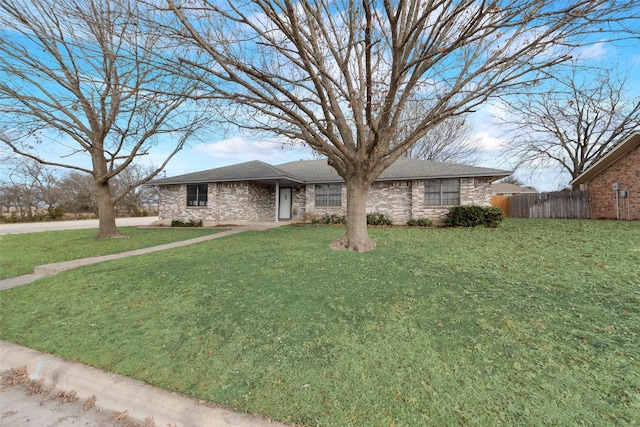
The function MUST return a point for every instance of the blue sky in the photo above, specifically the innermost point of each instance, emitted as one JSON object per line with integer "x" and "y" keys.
{"x": 230, "y": 149}
{"x": 220, "y": 149}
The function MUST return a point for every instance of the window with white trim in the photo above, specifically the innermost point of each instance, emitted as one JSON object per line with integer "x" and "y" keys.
{"x": 329, "y": 195}
{"x": 197, "y": 194}
{"x": 442, "y": 192}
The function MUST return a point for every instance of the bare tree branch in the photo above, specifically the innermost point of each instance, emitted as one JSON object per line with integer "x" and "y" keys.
{"x": 99, "y": 77}
{"x": 572, "y": 121}
{"x": 451, "y": 141}
{"x": 339, "y": 75}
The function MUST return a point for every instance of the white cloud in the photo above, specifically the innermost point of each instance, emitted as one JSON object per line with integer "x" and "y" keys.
{"x": 592, "y": 52}
{"x": 488, "y": 142}
{"x": 238, "y": 147}
{"x": 233, "y": 150}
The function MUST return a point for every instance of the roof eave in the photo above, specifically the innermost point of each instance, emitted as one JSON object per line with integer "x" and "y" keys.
{"x": 449, "y": 176}
{"x": 611, "y": 157}
{"x": 340, "y": 180}
{"x": 207, "y": 181}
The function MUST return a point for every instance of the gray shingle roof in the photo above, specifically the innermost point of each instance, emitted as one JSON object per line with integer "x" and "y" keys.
{"x": 405, "y": 168}
{"x": 318, "y": 171}
{"x": 248, "y": 171}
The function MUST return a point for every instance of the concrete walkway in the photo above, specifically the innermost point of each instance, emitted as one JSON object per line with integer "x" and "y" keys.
{"x": 50, "y": 269}
{"x": 118, "y": 400}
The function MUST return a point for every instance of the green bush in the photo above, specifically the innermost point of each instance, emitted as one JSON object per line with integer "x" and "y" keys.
{"x": 493, "y": 216}
{"x": 191, "y": 223}
{"x": 11, "y": 218}
{"x": 472, "y": 216}
{"x": 330, "y": 219}
{"x": 378, "y": 219}
{"x": 372, "y": 219}
{"x": 56, "y": 213}
{"x": 420, "y": 222}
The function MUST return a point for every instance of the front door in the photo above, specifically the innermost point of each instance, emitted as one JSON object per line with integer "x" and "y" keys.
{"x": 285, "y": 203}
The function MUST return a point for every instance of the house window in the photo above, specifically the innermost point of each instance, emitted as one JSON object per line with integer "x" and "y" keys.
{"x": 329, "y": 195}
{"x": 197, "y": 194}
{"x": 442, "y": 192}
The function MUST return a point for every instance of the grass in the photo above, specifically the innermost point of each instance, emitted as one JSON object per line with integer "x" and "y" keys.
{"x": 536, "y": 322}
{"x": 20, "y": 253}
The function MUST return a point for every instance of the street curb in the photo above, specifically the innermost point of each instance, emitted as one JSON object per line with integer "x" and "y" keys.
{"x": 118, "y": 393}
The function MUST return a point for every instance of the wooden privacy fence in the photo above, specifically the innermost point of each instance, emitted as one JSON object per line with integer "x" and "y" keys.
{"x": 558, "y": 204}
{"x": 501, "y": 202}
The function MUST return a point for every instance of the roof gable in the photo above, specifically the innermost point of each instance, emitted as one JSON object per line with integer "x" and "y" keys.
{"x": 610, "y": 158}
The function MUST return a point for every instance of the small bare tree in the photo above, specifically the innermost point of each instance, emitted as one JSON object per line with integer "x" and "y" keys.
{"x": 135, "y": 201}
{"x": 20, "y": 187}
{"x": 79, "y": 193}
{"x": 50, "y": 189}
{"x": 91, "y": 78}
{"x": 450, "y": 141}
{"x": 339, "y": 75}
{"x": 572, "y": 121}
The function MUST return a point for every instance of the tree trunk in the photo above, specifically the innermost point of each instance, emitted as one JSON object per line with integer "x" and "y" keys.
{"x": 356, "y": 237}
{"x": 106, "y": 213}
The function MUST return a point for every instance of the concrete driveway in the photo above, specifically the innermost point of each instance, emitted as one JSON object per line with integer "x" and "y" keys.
{"x": 34, "y": 227}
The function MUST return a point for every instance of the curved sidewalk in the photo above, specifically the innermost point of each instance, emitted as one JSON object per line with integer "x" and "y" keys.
{"x": 50, "y": 269}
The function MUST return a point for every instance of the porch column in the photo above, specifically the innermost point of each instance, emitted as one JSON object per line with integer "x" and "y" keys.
{"x": 277, "y": 201}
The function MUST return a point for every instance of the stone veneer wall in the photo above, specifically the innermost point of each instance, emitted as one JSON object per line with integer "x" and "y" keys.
{"x": 298, "y": 202}
{"x": 246, "y": 201}
{"x": 231, "y": 200}
{"x": 626, "y": 172}
{"x": 227, "y": 201}
{"x": 391, "y": 198}
{"x": 475, "y": 191}
{"x": 261, "y": 205}
{"x": 173, "y": 205}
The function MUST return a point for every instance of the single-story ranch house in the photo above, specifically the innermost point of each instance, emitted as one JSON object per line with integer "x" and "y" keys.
{"x": 613, "y": 182}
{"x": 306, "y": 189}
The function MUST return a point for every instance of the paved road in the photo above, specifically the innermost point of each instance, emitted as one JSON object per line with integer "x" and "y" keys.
{"x": 34, "y": 227}
{"x": 21, "y": 410}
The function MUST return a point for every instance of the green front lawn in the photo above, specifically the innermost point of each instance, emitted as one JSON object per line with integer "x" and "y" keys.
{"x": 20, "y": 253}
{"x": 536, "y": 322}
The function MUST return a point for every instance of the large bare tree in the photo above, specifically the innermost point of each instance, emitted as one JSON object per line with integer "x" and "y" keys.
{"x": 339, "y": 75}
{"x": 573, "y": 120}
{"x": 91, "y": 79}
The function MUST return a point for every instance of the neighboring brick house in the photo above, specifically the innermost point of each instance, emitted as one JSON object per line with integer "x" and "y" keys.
{"x": 305, "y": 189}
{"x": 613, "y": 182}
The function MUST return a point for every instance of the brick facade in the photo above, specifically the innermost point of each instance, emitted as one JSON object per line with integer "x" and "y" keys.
{"x": 230, "y": 202}
{"x": 626, "y": 172}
